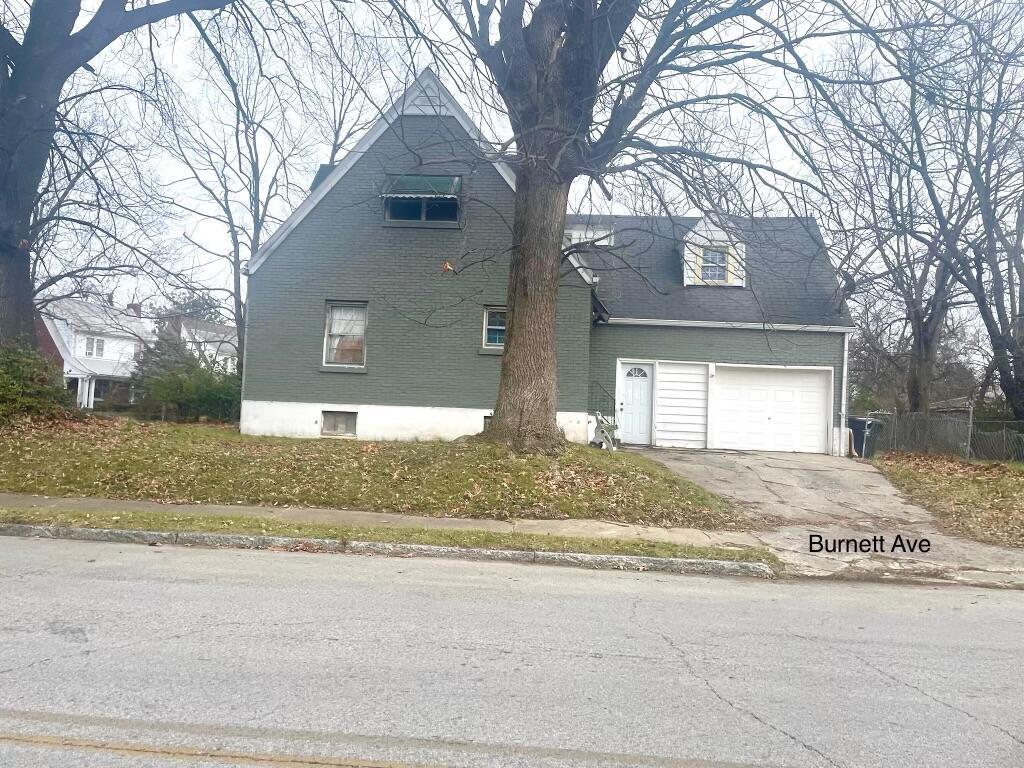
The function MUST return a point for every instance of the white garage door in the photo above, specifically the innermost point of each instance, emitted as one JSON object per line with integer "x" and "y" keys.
{"x": 681, "y": 416}
{"x": 771, "y": 409}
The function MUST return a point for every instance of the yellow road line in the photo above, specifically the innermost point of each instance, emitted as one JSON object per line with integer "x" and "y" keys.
{"x": 193, "y": 755}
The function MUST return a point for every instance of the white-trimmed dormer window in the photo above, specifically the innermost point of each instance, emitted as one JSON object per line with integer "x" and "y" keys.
{"x": 714, "y": 265}
{"x": 710, "y": 257}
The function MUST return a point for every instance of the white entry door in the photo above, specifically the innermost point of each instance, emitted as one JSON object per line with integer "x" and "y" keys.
{"x": 635, "y": 404}
{"x": 772, "y": 409}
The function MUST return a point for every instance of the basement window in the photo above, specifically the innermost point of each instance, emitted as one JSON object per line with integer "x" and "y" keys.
{"x": 413, "y": 198}
{"x": 338, "y": 423}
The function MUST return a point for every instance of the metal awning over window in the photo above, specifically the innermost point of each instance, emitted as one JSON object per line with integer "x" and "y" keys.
{"x": 424, "y": 186}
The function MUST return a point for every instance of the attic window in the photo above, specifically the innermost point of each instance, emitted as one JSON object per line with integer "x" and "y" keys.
{"x": 714, "y": 262}
{"x": 714, "y": 265}
{"x": 422, "y": 198}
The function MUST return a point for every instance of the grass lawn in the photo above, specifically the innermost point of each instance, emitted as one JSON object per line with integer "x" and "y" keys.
{"x": 176, "y": 522}
{"x": 982, "y": 500}
{"x": 124, "y": 459}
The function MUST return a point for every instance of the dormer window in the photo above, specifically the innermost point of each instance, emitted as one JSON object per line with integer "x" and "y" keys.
{"x": 413, "y": 198}
{"x": 714, "y": 265}
{"x": 708, "y": 257}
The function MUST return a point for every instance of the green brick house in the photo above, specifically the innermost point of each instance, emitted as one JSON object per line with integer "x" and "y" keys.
{"x": 376, "y": 310}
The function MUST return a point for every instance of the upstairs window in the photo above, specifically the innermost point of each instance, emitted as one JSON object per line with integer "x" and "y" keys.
{"x": 93, "y": 346}
{"x": 345, "y": 335}
{"x": 714, "y": 265}
{"x": 423, "y": 198}
{"x": 494, "y": 327}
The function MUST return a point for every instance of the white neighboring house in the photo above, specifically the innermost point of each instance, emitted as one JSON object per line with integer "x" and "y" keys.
{"x": 97, "y": 346}
{"x": 216, "y": 343}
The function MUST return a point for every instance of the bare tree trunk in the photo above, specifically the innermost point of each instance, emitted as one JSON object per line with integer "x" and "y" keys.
{"x": 16, "y": 314}
{"x": 920, "y": 370}
{"x": 524, "y": 417}
{"x": 1008, "y": 357}
{"x": 926, "y": 335}
{"x": 27, "y": 117}
{"x": 238, "y": 312}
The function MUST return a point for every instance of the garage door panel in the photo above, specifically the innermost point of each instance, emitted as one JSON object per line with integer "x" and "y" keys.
{"x": 681, "y": 410}
{"x": 771, "y": 409}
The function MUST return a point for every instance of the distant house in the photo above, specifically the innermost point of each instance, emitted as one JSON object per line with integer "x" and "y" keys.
{"x": 215, "y": 343}
{"x": 96, "y": 346}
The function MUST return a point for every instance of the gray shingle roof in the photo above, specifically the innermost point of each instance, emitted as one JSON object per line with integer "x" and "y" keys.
{"x": 790, "y": 279}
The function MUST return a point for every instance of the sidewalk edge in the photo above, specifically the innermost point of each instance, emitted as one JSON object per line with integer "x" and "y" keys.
{"x": 245, "y": 541}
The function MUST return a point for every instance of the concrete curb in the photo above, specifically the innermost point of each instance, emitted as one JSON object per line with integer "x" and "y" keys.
{"x": 245, "y": 541}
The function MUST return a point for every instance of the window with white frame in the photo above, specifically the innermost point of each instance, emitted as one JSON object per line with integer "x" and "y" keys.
{"x": 93, "y": 346}
{"x": 345, "y": 335}
{"x": 494, "y": 327}
{"x": 714, "y": 265}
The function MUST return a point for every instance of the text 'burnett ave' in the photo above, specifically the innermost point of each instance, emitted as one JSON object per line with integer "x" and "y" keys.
{"x": 868, "y": 545}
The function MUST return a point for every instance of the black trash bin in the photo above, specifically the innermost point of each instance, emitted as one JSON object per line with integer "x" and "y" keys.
{"x": 865, "y": 434}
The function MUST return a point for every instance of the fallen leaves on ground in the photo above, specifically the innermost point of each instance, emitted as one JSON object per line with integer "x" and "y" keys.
{"x": 980, "y": 499}
{"x": 126, "y": 459}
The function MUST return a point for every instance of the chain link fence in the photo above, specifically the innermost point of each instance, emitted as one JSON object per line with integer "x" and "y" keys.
{"x": 948, "y": 433}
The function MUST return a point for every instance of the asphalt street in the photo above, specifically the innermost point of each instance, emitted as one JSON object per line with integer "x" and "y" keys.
{"x": 122, "y": 655}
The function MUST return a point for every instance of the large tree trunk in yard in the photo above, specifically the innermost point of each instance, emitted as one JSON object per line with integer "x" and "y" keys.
{"x": 919, "y": 383}
{"x": 16, "y": 309}
{"x": 28, "y": 123}
{"x": 921, "y": 368}
{"x": 27, "y": 115}
{"x": 524, "y": 417}
{"x": 1008, "y": 357}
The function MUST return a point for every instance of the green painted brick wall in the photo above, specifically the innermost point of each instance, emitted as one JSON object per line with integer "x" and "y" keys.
{"x": 720, "y": 345}
{"x": 424, "y": 325}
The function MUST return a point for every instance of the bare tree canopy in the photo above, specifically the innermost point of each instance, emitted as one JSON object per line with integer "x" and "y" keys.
{"x": 46, "y": 48}
{"x": 924, "y": 147}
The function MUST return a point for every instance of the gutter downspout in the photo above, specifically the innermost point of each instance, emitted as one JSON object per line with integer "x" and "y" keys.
{"x": 844, "y": 440}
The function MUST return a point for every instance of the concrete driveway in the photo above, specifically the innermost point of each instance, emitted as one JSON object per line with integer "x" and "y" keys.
{"x": 792, "y": 496}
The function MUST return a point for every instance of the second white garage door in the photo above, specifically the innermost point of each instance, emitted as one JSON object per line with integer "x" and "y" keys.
{"x": 771, "y": 409}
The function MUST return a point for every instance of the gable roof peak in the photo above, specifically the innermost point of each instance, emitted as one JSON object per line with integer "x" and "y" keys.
{"x": 427, "y": 96}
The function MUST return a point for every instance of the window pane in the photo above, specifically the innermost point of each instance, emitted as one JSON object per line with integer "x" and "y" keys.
{"x": 425, "y": 185}
{"x": 346, "y": 334}
{"x": 713, "y": 265}
{"x": 89, "y": 342}
{"x": 495, "y": 328}
{"x": 405, "y": 208}
{"x": 99, "y": 347}
{"x": 338, "y": 423}
{"x": 442, "y": 209}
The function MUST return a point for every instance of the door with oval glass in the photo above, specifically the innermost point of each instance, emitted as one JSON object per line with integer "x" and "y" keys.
{"x": 635, "y": 403}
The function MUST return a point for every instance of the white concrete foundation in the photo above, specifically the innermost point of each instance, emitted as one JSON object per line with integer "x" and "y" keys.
{"x": 385, "y": 422}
